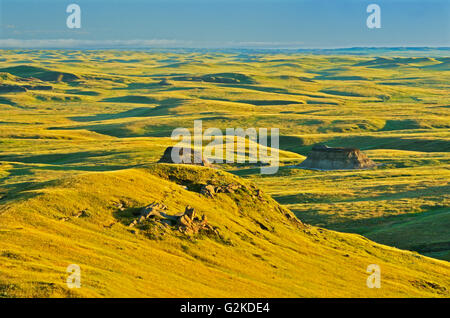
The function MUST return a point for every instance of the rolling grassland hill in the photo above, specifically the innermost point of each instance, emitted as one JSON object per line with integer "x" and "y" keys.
{"x": 81, "y": 131}
{"x": 257, "y": 248}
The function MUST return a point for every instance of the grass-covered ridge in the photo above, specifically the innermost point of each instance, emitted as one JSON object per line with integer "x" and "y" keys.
{"x": 76, "y": 127}
{"x": 264, "y": 250}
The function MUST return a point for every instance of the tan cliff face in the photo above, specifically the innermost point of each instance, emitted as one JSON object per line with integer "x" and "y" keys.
{"x": 187, "y": 155}
{"x": 327, "y": 158}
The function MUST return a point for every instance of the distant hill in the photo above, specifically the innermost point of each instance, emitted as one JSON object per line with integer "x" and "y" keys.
{"x": 43, "y": 74}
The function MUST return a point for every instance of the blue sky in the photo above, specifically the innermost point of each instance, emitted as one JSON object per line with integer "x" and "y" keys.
{"x": 225, "y": 23}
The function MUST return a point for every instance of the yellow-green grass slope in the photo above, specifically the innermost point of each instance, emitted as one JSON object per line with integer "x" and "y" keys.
{"x": 109, "y": 111}
{"x": 404, "y": 203}
{"x": 263, "y": 251}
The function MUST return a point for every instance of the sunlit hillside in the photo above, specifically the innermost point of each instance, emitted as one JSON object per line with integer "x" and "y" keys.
{"x": 82, "y": 131}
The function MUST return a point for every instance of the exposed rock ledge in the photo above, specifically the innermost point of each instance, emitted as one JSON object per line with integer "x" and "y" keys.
{"x": 326, "y": 158}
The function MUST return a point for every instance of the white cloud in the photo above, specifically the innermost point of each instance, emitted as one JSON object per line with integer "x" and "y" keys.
{"x": 74, "y": 44}
{"x": 137, "y": 43}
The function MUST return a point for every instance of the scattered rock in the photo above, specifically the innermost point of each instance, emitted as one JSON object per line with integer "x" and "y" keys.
{"x": 229, "y": 188}
{"x": 190, "y": 223}
{"x": 153, "y": 210}
{"x": 210, "y": 190}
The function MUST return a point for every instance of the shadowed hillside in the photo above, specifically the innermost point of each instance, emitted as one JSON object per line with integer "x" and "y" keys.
{"x": 39, "y": 73}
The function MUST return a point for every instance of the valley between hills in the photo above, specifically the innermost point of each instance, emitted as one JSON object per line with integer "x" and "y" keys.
{"x": 81, "y": 134}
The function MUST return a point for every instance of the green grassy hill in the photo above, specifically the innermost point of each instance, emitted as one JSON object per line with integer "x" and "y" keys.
{"x": 262, "y": 250}
{"x": 77, "y": 128}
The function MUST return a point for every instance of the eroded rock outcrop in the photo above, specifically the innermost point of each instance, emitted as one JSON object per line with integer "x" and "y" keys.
{"x": 210, "y": 190}
{"x": 184, "y": 155}
{"x": 189, "y": 222}
{"x": 327, "y": 158}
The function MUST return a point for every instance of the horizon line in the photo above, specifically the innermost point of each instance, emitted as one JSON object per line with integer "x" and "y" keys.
{"x": 32, "y": 44}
